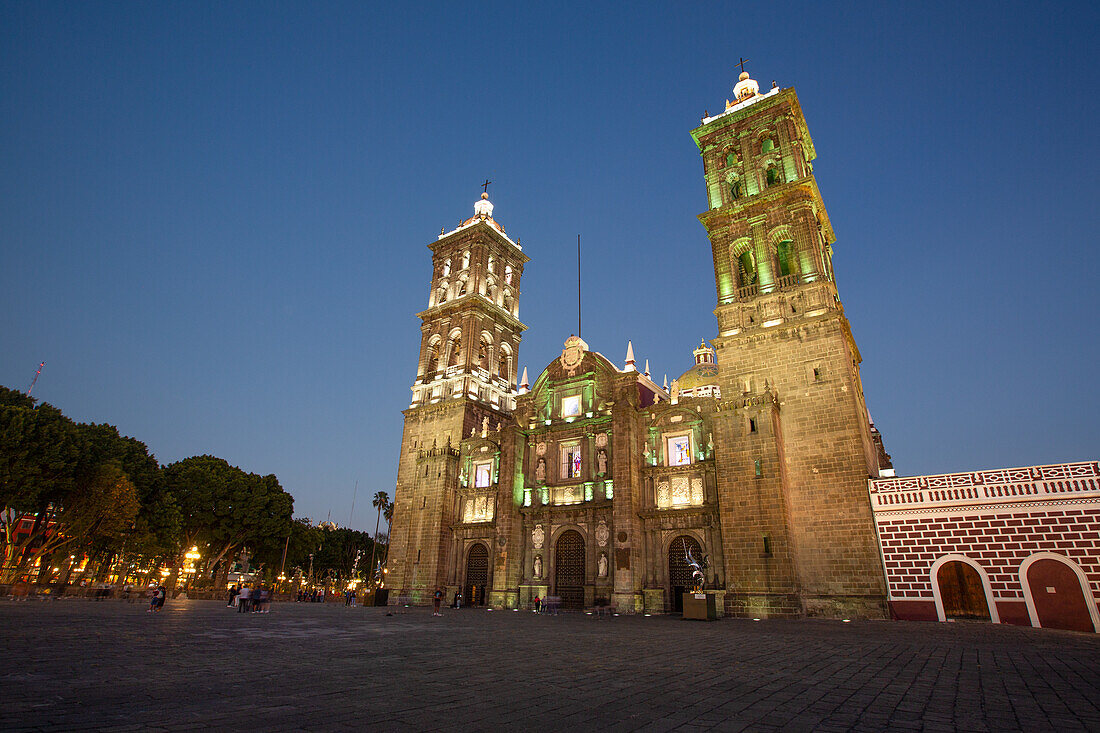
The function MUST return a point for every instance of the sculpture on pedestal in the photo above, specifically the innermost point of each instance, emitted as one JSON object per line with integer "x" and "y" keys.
{"x": 698, "y": 578}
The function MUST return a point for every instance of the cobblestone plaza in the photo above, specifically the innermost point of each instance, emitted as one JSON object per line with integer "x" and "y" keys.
{"x": 110, "y": 665}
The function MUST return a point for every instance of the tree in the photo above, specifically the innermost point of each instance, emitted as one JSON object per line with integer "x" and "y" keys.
{"x": 223, "y": 508}
{"x": 380, "y": 501}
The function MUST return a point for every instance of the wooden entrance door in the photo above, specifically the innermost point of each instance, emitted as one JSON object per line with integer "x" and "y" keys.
{"x": 569, "y": 575}
{"x": 1056, "y": 592}
{"x": 477, "y": 576}
{"x": 962, "y": 592}
{"x": 679, "y": 572}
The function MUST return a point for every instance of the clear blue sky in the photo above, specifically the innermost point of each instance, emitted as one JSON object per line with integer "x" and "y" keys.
{"x": 213, "y": 217}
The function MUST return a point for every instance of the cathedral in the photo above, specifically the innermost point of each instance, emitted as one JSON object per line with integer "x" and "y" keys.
{"x": 593, "y": 483}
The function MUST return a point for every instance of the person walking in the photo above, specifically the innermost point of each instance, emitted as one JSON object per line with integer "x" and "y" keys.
{"x": 437, "y": 601}
{"x": 538, "y": 604}
{"x": 233, "y": 591}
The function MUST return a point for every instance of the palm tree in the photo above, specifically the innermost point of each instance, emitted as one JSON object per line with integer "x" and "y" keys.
{"x": 380, "y": 501}
{"x": 387, "y": 514}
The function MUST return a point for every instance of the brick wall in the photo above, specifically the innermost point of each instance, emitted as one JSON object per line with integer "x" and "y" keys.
{"x": 996, "y": 519}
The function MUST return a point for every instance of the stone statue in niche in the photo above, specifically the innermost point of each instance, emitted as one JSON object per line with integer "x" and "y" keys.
{"x": 601, "y": 565}
{"x": 601, "y": 461}
{"x": 484, "y": 426}
{"x": 540, "y": 470}
{"x": 675, "y": 391}
{"x": 473, "y": 432}
{"x": 538, "y": 537}
{"x": 538, "y": 566}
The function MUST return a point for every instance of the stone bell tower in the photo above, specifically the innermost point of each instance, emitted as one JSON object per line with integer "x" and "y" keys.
{"x": 795, "y": 448}
{"x": 465, "y": 378}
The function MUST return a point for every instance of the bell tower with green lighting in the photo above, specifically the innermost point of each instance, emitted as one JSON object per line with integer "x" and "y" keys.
{"x": 794, "y": 444}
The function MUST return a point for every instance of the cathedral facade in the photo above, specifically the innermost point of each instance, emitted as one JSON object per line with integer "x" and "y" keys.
{"x": 593, "y": 483}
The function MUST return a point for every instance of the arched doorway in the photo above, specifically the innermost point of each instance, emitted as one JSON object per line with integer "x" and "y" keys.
{"x": 679, "y": 572}
{"x": 962, "y": 592}
{"x": 477, "y": 576}
{"x": 1058, "y": 600}
{"x": 569, "y": 575}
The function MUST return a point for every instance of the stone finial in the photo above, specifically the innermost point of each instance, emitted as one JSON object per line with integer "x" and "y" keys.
{"x": 630, "y": 357}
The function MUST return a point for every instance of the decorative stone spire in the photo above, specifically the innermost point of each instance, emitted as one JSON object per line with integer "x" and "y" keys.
{"x": 646, "y": 367}
{"x": 630, "y": 358}
{"x": 523, "y": 386}
{"x": 483, "y": 209}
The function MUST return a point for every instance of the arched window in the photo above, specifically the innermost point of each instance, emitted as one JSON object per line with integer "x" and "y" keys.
{"x": 731, "y": 158}
{"x": 461, "y": 287}
{"x": 447, "y": 267}
{"x": 746, "y": 266}
{"x": 441, "y": 294}
{"x": 506, "y": 303}
{"x": 735, "y": 189}
{"x": 492, "y": 265}
{"x": 433, "y": 352}
{"x": 465, "y": 259}
{"x": 453, "y": 348}
{"x": 774, "y": 176}
{"x": 504, "y": 365}
{"x": 785, "y": 257}
{"x": 483, "y": 353}
{"x": 766, "y": 146}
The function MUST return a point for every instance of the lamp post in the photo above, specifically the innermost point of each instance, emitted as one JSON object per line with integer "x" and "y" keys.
{"x": 191, "y": 556}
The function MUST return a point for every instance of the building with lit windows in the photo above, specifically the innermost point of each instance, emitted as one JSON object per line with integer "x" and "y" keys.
{"x": 593, "y": 483}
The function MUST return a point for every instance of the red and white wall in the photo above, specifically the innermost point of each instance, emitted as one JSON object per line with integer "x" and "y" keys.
{"x": 1024, "y": 540}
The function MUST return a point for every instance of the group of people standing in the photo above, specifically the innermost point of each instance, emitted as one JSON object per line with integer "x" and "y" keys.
{"x": 249, "y": 600}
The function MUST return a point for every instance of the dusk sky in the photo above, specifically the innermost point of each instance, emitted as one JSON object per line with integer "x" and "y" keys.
{"x": 214, "y": 217}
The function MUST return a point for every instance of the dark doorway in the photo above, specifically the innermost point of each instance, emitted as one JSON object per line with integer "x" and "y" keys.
{"x": 569, "y": 572}
{"x": 477, "y": 576}
{"x": 1056, "y": 592}
{"x": 962, "y": 592}
{"x": 679, "y": 572}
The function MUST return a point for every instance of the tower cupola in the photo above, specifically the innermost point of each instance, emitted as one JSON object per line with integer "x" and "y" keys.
{"x": 745, "y": 88}
{"x": 704, "y": 354}
{"x": 483, "y": 208}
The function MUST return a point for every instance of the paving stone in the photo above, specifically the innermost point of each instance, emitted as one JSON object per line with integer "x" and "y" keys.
{"x": 110, "y": 666}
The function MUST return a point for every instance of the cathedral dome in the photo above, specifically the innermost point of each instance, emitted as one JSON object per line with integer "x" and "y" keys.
{"x": 702, "y": 379}
{"x": 700, "y": 375}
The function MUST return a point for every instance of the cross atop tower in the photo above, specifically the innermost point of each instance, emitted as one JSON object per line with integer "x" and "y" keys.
{"x": 485, "y": 186}
{"x": 742, "y": 63}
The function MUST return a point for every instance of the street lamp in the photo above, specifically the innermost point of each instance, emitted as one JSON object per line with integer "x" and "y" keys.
{"x": 191, "y": 556}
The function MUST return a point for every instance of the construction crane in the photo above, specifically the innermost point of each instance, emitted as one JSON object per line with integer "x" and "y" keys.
{"x": 35, "y": 380}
